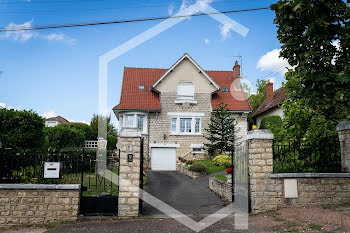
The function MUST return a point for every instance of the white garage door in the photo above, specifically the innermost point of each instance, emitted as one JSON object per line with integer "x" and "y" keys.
{"x": 163, "y": 159}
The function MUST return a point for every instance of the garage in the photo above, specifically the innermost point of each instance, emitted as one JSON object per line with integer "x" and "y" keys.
{"x": 163, "y": 159}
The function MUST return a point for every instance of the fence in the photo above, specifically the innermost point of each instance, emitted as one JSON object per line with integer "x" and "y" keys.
{"x": 27, "y": 165}
{"x": 303, "y": 156}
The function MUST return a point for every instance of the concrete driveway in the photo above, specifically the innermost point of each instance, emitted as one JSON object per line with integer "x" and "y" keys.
{"x": 190, "y": 196}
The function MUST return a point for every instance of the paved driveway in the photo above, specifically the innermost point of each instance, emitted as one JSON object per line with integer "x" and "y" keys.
{"x": 190, "y": 196}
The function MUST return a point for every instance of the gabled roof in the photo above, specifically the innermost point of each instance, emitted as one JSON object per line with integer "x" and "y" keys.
{"x": 133, "y": 98}
{"x": 59, "y": 119}
{"x": 186, "y": 56}
{"x": 278, "y": 98}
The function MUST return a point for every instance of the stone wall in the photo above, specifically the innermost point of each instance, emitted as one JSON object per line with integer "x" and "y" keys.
{"x": 30, "y": 204}
{"x": 271, "y": 191}
{"x": 129, "y": 175}
{"x": 221, "y": 188}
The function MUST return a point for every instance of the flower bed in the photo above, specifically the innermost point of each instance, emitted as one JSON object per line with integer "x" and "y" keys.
{"x": 181, "y": 167}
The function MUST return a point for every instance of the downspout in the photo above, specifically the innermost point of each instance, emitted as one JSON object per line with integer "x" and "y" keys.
{"x": 148, "y": 117}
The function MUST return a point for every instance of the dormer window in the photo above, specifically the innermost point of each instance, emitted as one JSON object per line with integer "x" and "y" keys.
{"x": 141, "y": 87}
{"x": 185, "y": 90}
{"x": 224, "y": 89}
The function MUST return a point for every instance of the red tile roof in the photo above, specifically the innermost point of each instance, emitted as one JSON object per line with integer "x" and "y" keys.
{"x": 59, "y": 119}
{"x": 278, "y": 98}
{"x": 133, "y": 98}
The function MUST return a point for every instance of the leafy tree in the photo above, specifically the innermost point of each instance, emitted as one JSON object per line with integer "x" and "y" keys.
{"x": 84, "y": 128}
{"x": 221, "y": 130}
{"x": 64, "y": 136}
{"x": 112, "y": 133}
{"x": 310, "y": 32}
{"x": 21, "y": 129}
{"x": 273, "y": 123}
{"x": 315, "y": 41}
{"x": 257, "y": 99}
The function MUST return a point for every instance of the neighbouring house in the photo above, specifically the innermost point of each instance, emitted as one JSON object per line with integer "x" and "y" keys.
{"x": 53, "y": 121}
{"x": 272, "y": 105}
{"x": 172, "y": 108}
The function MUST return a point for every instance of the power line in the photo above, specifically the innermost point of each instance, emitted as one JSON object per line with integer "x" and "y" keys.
{"x": 101, "y": 9}
{"x": 41, "y": 2}
{"x": 12, "y": 29}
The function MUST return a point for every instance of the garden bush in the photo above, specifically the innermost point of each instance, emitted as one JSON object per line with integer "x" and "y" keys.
{"x": 222, "y": 160}
{"x": 273, "y": 123}
{"x": 198, "y": 167}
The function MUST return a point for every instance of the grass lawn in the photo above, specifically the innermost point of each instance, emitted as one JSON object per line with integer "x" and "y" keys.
{"x": 211, "y": 167}
{"x": 96, "y": 184}
{"x": 221, "y": 177}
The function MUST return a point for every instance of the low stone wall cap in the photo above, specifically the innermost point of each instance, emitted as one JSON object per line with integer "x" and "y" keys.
{"x": 344, "y": 125}
{"x": 260, "y": 134}
{"x": 41, "y": 186}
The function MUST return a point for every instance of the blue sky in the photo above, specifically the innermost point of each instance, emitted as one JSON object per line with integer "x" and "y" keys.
{"x": 56, "y": 71}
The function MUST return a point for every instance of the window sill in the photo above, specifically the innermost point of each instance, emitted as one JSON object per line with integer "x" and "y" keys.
{"x": 186, "y": 134}
{"x": 197, "y": 152}
{"x": 183, "y": 101}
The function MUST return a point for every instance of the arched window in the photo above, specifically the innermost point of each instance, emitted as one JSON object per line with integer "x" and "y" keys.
{"x": 185, "y": 90}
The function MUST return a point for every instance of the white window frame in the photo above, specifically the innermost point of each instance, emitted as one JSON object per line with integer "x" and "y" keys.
{"x": 124, "y": 120}
{"x": 192, "y": 116}
{"x": 185, "y": 96}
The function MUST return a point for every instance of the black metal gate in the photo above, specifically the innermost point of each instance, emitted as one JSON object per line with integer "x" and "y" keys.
{"x": 99, "y": 190}
{"x": 141, "y": 174}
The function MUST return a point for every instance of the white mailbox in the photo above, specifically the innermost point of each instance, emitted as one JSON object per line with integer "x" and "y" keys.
{"x": 52, "y": 170}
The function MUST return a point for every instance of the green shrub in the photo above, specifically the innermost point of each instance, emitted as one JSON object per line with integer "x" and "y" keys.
{"x": 198, "y": 167}
{"x": 273, "y": 123}
{"x": 62, "y": 136}
{"x": 222, "y": 160}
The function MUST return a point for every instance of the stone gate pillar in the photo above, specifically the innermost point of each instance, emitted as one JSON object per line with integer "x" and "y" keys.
{"x": 344, "y": 139}
{"x": 129, "y": 172}
{"x": 266, "y": 193}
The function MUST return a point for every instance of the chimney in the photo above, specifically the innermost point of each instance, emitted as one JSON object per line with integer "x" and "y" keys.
{"x": 236, "y": 70}
{"x": 269, "y": 91}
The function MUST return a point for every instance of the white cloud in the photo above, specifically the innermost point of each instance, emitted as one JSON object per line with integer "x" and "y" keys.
{"x": 184, "y": 4}
{"x": 26, "y": 35}
{"x": 49, "y": 114}
{"x": 206, "y": 40}
{"x": 2, "y": 105}
{"x": 225, "y": 30}
{"x": 272, "y": 62}
{"x": 171, "y": 9}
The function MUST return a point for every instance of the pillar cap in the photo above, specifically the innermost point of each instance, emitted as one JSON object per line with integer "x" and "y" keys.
{"x": 344, "y": 125}
{"x": 260, "y": 134}
{"x": 130, "y": 133}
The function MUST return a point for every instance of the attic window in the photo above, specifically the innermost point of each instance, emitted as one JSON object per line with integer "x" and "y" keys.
{"x": 224, "y": 89}
{"x": 141, "y": 87}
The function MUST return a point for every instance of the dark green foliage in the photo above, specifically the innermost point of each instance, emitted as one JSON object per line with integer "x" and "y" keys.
{"x": 197, "y": 167}
{"x": 104, "y": 121}
{"x": 221, "y": 130}
{"x": 318, "y": 89}
{"x": 273, "y": 123}
{"x": 111, "y": 142}
{"x": 84, "y": 128}
{"x": 21, "y": 129}
{"x": 63, "y": 136}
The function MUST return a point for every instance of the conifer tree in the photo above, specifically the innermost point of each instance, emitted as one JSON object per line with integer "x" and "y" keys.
{"x": 221, "y": 130}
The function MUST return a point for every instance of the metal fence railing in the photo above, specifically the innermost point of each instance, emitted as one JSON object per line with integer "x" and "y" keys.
{"x": 301, "y": 156}
{"x": 27, "y": 165}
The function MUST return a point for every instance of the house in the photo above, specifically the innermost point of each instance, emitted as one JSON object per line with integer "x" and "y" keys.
{"x": 53, "y": 121}
{"x": 172, "y": 108}
{"x": 271, "y": 106}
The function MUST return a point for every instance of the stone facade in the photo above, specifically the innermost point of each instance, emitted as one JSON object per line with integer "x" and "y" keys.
{"x": 221, "y": 188}
{"x": 344, "y": 139}
{"x": 38, "y": 204}
{"x": 129, "y": 177}
{"x": 160, "y": 123}
{"x": 268, "y": 191}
